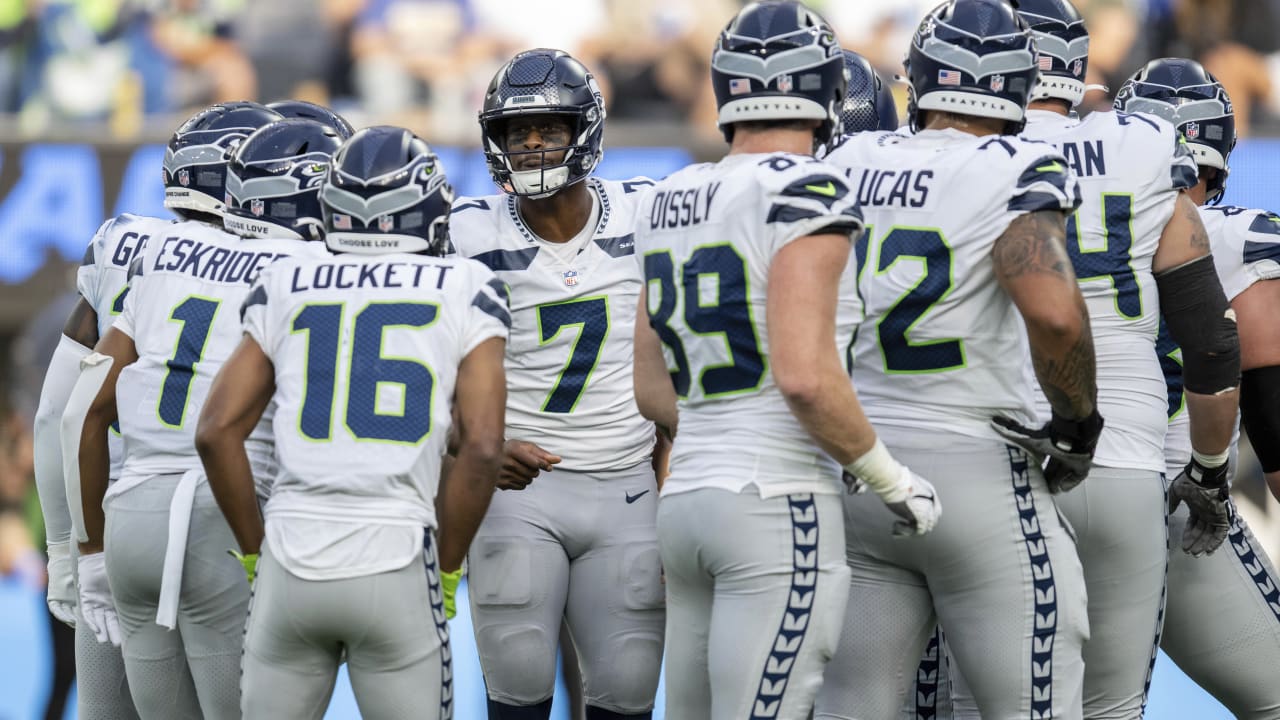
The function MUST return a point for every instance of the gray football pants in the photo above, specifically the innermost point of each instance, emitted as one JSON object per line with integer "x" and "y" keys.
{"x": 102, "y": 687}
{"x": 391, "y": 626}
{"x": 1000, "y": 572}
{"x": 1222, "y": 620}
{"x": 194, "y": 670}
{"x": 577, "y": 548}
{"x": 755, "y": 599}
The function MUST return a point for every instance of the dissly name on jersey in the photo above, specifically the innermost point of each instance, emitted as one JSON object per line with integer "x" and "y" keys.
{"x": 376, "y": 275}
{"x": 682, "y": 208}
{"x": 903, "y": 188}
{"x": 211, "y": 262}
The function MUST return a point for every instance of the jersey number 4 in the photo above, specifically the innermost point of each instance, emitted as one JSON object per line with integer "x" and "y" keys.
{"x": 714, "y": 287}
{"x": 368, "y": 370}
{"x": 1113, "y": 261}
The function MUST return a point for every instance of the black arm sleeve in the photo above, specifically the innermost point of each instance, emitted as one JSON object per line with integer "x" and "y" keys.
{"x": 1201, "y": 321}
{"x": 1260, "y": 413}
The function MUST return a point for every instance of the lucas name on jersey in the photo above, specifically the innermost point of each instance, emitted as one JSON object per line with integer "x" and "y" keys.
{"x": 883, "y": 188}
{"x": 362, "y": 277}
{"x": 211, "y": 262}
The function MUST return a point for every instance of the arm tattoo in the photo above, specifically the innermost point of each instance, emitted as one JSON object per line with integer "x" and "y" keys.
{"x": 82, "y": 324}
{"x": 1033, "y": 243}
{"x": 1069, "y": 379}
{"x": 1199, "y": 236}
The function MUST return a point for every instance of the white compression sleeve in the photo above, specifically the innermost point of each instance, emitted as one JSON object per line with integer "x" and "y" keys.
{"x": 64, "y": 369}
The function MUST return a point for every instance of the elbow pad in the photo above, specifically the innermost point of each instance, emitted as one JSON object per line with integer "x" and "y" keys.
{"x": 1260, "y": 412}
{"x": 1202, "y": 322}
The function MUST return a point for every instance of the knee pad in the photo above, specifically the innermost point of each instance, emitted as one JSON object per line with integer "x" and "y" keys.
{"x": 642, "y": 578}
{"x": 519, "y": 662}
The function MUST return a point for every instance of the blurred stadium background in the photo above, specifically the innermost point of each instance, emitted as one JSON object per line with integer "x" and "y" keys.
{"x": 91, "y": 89}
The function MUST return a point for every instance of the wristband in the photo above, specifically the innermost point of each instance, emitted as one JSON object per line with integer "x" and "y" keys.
{"x": 249, "y": 561}
{"x": 889, "y": 478}
{"x": 1212, "y": 461}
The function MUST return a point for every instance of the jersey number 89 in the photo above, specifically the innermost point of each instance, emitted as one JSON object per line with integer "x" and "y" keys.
{"x": 726, "y": 312}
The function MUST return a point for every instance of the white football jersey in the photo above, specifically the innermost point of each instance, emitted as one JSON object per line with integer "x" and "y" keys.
{"x": 1130, "y": 169}
{"x": 573, "y": 309}
{"x": 1246, "y": 249}
{"x": 366, "y": 352}
{"x": 942, "y": 347}
{"x": 182, "y": 311}
{"x": 705, "y": 240}
{"x": 103, "y": 277}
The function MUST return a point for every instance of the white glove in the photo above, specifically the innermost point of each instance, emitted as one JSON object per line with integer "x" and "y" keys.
{"x": 918, "y": 506}
{"x": 61, "y": 595}
{"x": 96, "y": 605}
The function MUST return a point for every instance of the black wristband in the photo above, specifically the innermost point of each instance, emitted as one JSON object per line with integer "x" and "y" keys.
{"x": 1208, "y": 477}
{"x": 1082, "y": 433}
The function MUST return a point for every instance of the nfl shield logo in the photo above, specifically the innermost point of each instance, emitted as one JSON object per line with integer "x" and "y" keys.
{"x": 257, "y": 207}
{"x": 1077, "y": 68}
{"x": 784, "y": 83}
{"x": 570, "y": 278}
{"x": 1193, "y": 130}
{"x": 184, "y": 177}
{"x": 386, "y": 222}
{"x": 997, "y": 83}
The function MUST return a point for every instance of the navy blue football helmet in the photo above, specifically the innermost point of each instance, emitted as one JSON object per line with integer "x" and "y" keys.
{"x": 312, "y": 111}
{"x": 386, "y": 192}
{"x": 868, "y": 102}
{"x": 543, "y": 82}
{"x": 779, "y": 60}
{"x": 1063, "y": 43}
{"x": 195, "y": 162}
{"x": 1184, "y": 93}
{"x": 273, "y": 180}
{"x": 972, "y": 57}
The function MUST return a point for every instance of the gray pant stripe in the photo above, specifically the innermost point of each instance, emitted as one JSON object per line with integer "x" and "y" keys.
{"x": 795, "y": 619}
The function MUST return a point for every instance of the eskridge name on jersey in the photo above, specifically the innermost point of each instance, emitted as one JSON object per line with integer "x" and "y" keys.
{"x": 182, "y": 311}
{"x": 1246, "y": 250}
{"x": 103, "y": 276}
{"x": 1130, "y": 169}
{"x": 360, "y": 444}
{"x": 705, "y": 239}
{"x": 570, "y": 353}
{"x": 942, "y": 346}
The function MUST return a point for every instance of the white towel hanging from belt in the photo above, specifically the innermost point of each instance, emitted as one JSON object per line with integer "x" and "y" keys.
{"x": 175, "y": 552}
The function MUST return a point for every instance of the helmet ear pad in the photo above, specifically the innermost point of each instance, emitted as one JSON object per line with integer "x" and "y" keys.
{"x": 543, "y": 82}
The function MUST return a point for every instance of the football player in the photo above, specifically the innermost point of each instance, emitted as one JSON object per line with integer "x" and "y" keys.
{"x": 193, "y": 175}
{"x": 367, "y": 353}
{"x": 963, "y": 274}
{"x": 1230, "y": 649}
{"x": 1139, "y": 250}
{"x": 164, "y": 539}
{"x": 740, "y": 334}
{"x": 577, "y": 515}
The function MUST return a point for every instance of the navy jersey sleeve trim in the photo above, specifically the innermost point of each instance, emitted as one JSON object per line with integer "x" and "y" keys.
{"x": 499, "y": 260}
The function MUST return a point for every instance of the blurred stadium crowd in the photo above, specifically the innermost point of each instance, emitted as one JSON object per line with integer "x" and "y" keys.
{"x": 128, "y": 68}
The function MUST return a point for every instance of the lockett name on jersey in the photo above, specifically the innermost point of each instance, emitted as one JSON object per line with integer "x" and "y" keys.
{"x": 376, "y": 275}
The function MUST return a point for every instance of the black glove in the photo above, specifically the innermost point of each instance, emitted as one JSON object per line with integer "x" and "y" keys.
{"x": 1068, "y": 444}
{"x": 1204, "y": 490}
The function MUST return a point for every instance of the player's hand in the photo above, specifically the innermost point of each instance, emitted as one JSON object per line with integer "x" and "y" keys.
{"x": 62, "y": 587}
{"x": 1204, "y": 490}
{"x": 521, "y": 463}
{"x": 96, "y": 605}
{"x": 449, "y": 585}
{"x": 1067, "y": 444}
{"x": 917, "y": 504}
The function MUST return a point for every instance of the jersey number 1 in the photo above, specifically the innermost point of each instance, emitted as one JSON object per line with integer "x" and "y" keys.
{"x": 196, "y": 315}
